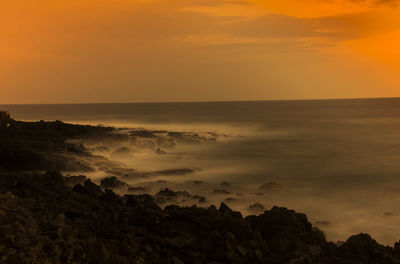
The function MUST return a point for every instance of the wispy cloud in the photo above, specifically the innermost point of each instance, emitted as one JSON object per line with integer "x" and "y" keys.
{"x": 201, "y": 44}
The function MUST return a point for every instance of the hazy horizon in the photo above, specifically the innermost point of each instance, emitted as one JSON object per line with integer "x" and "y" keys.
{"x": 209, "y": 101}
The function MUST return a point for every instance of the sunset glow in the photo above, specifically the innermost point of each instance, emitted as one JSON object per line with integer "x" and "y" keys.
{"x": 200, "y": 131}
{"x": 196, "y": 50}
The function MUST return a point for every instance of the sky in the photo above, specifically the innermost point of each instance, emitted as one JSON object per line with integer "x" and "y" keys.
{"x": 88, "y": 51}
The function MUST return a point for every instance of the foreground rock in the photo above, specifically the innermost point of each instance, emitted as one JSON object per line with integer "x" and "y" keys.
{"x": 113, "y": 183}
{"x": 43, "y": 220}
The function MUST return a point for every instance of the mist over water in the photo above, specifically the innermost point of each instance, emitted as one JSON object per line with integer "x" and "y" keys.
{"x": 338, "y": 161}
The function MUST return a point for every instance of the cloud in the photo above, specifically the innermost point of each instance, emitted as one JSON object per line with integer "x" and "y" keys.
{"x": 216, "y": 21}
{"x": 391, "y": 3}
{"x": 147, "y": 44}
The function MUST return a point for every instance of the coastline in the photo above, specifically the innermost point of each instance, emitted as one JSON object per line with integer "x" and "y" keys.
{"x": 55, "y": 218}
{"x": 46, "y": 220}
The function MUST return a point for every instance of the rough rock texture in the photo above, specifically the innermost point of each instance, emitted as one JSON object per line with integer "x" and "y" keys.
{"x": 167, "y": 196}
{"x": 113, "y": 183}
{"x": 46, "y": 218}
{"x": 42, "y": 220}
{"x": 45, "y": 146}
{"x": 28, "y": 146}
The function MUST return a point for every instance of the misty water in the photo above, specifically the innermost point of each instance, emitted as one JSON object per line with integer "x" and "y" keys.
{"x": 338, "y": 161}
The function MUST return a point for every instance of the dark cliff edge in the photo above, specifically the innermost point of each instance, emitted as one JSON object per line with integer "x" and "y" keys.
{"x": 27, "y": 146}
{"x": 48, "y": 218}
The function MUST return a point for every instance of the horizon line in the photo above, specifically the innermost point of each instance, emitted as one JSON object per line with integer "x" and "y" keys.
{"x": 214, "y": 101}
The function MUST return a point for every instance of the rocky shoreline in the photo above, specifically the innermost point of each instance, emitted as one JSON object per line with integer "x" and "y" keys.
{"x": 48, "y": 217}
{"x": 43, "y": 219}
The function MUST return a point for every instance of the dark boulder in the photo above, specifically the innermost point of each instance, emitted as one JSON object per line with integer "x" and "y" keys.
{"x": 113, "y": 183}
{"x": 71, "y": 181}
{"x": 88, "y": 188}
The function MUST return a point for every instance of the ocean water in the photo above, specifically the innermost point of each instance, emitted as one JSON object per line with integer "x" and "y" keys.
{"x": 338, "y": 161}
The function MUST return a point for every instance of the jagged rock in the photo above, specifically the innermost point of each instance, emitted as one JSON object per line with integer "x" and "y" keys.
{"x": 43, "y": 220}
{"x": 5, "y": 119}
{"x": 113, "y": 183}
{"x": 225, "y": 209}
{"x": 71, "y": 181}
{"x": 142, "y": 201}
{"x": 110, "y": 197}
{"x": 89, "y": 188}
{"x": 290, "y": 235}
{"x": 45, "y": 146}
{"x": 172, "y": 194}
{"x": 362, "y": 244}
{"x": 168, "y": 196}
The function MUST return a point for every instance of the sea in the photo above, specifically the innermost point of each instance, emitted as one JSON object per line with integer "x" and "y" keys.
{"x": 337, "y": 161}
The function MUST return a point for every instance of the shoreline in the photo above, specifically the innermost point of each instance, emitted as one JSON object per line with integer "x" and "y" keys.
{"x": 50, "y": 219}
{"x": 45, "y": 203}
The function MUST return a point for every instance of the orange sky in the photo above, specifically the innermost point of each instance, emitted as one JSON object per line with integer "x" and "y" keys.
{"x": 194, "y": 50}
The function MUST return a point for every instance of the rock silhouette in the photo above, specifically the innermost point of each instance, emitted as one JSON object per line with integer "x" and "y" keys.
{"x": 52, "y": 218}
{"x": 43, "y": 220}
